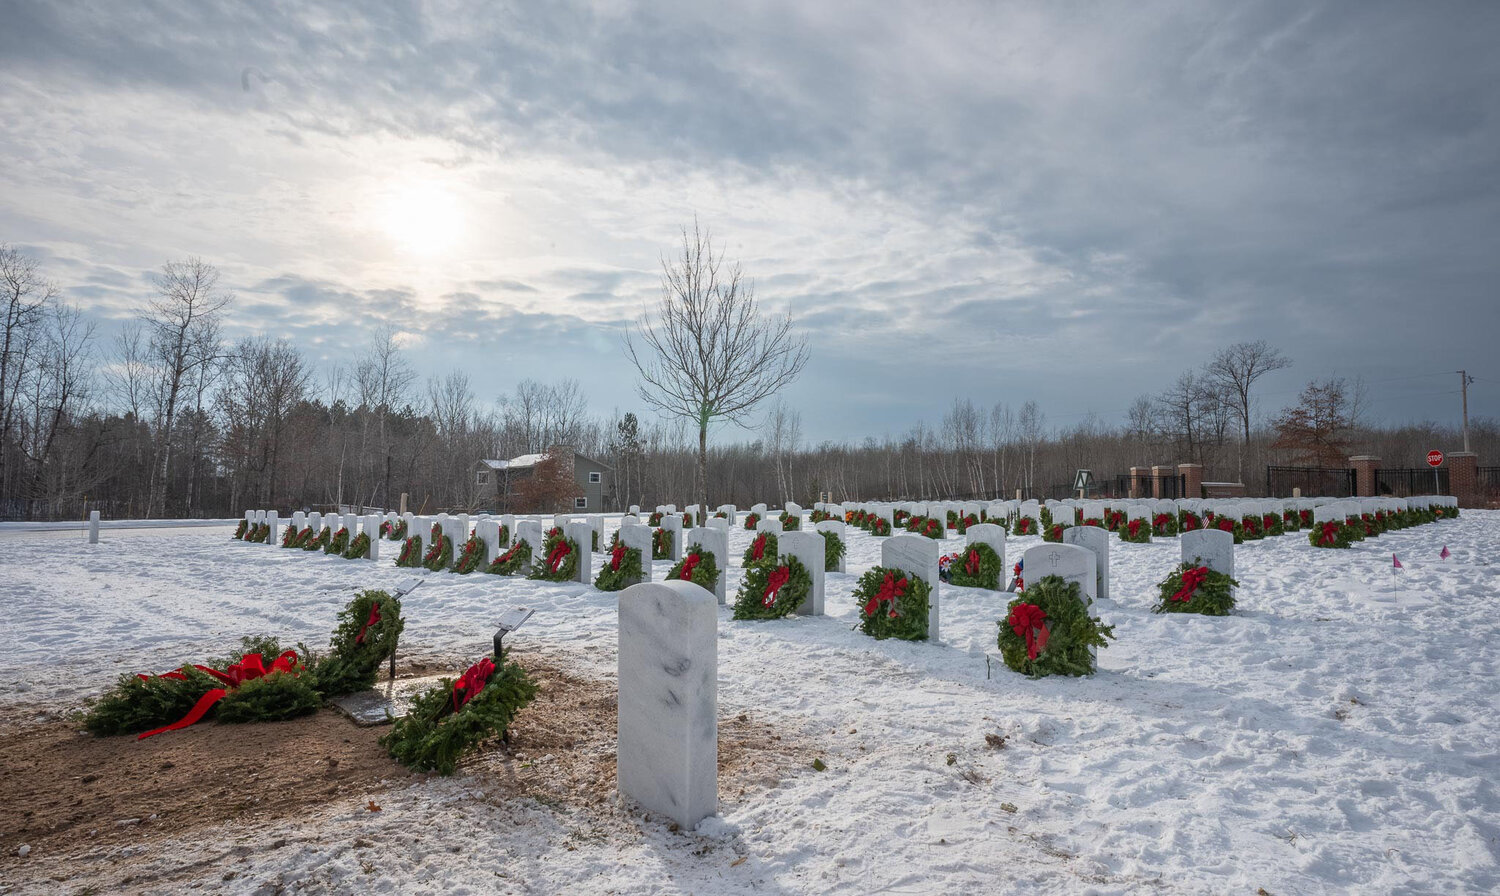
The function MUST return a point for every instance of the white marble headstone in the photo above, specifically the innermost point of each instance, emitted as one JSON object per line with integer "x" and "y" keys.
{"x": 1097, "y": 540}
{"x": 580, "y": 533}
{"x": 994, "y": 536}
{"x": 719, "y": 523}
{"x": 673, "y": 524}
{"x": 638, "y": 537}
{"x": 1072, "y": 563}
{"x": 808, "y": 548}
{"x": 668, "y": 736}
{"x": 274, "y": 521}
{"x": 489, "y": 532}
{"x": 916, "y": 555}
{"x": 769, "y": 524}
{"x": 1214, "y": 547}
{"x": 531, "y": 532}
{"x": 372, "y": 529}
{"x": 93, "y": 527}
{"x": 713, "y": 540}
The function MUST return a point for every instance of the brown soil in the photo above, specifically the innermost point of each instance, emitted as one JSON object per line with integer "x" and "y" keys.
{"x": 65, "y": 793}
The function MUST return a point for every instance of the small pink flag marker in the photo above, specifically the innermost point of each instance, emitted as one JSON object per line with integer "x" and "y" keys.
{"x": 1395, "y": 563}
{"x": 1446, "y": 553}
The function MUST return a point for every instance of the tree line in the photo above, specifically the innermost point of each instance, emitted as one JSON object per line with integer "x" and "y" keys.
{"x": 168, "y": 419}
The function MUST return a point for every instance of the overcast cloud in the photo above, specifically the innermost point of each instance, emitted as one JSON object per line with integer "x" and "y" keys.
{"x": 1066, "y": 202}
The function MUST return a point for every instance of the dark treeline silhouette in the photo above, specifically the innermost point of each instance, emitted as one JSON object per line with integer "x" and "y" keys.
{"x": 169, "y": 420}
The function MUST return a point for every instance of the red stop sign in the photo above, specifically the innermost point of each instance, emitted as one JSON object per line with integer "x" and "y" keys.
{"x": 1434, "y": 458}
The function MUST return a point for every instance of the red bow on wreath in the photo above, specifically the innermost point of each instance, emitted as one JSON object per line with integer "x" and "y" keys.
{"x": 559, "y": 554}
{"x": 971, "y": 565}
{"x": 1330, "y": 533}
{"x": 1029, "y": 622}
{"x": 890, "y": 589}
{"x": 615, "y": 556}
{"x": 688, "y": 565}
{"x": 758, "y": 550}
{"x": 472, "y": 682}
{"x": 374, "y": 619}
{"x": 1191, "y": 579}
{"x": 250, "y": 667}
{"x": 774, "y": 583}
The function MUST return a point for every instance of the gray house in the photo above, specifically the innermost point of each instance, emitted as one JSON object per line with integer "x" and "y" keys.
{"x": 496, "y": 481}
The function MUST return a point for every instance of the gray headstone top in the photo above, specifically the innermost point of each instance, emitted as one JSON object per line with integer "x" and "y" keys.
{"x": 916, "y": 555}
{"x": 1214, "y": 547}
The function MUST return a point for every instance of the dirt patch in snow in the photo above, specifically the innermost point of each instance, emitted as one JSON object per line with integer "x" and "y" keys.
{"x": 84, "y": 805}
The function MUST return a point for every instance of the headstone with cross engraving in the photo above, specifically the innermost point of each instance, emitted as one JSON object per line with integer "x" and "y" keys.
{"x": 1070, "y": 562}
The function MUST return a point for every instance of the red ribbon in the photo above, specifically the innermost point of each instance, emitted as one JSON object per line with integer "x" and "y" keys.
{"x": 615, "y": 556}
{"x": 374, "y": 618}
{"x": 1029, "y": 622}
{"x": 1330, "y": 533}
{"x": 1224, "y": 524}
{"x": 688, "y": 565}
{"x": 1135, "y": 528}
{"x": 1020, "y": 583}
{"x": 890, "y": 589}
{"x": 971, "y": 565}
{"x": 472, "y": 682}
{"x": 774, "y": 583}
{"x": 250, "y": 667}
{"x": 558, "y": 555}
{"x": 758, "y": 550}
{"x": 1191, "y": 579}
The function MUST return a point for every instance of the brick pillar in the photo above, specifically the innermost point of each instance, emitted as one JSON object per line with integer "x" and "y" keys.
{"x": 1192, "y": 485}
{"x": 1136, "y": 474}
{"x": 1463, "y": 478}
{"x": 1364, "y": 475}
{"x": 1158, "y": 473}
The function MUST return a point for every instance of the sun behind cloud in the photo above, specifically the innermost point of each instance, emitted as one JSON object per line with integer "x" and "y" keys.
{"x": 423, "y": 217}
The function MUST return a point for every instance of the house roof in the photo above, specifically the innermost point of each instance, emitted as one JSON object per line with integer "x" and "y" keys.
{"x": 527, "y": 461}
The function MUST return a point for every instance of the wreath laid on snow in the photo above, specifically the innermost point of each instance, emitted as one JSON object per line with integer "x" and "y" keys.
{"x": 621, "y": 570}
{"x": 319, "y": 541}
{"x": 339, "y": 542}
{"x": 470, "y": 556}
{"x": 697, "y": 566}
{"x": 1194, "y": 588}
{"x": 515, "y": 560}
{"x": 258, "y": 533}
{"x": 762, "y": 549}
{"x": 833, "y": 550}
{"x": 977, "y": 566}
{"x": 240, "y": 530}
{"x": 1049, "y": 631}
{"x": 396, "y": 532}
{"x": 1137, "y": 531}
{"x": 772, "y": 590}
{"x": 1054, "y": 532}
{"x": 790, "y": 523}
{"x": 1329, "y": 534}
{"x": 303, "y": 537}
{"x": 879, "y": 526}
{"x": 456, "y": 715}
{"x": 892, "y": 604}
{"x": 558, "y": 560}
{"x": 1025, "y": 525}
{"x": 411, "y": 552}
{"x": 440, "y": 555}
{"x": 243, "y": 688}
{"x": 661, "y": 544}
{"x": 289, "y": 537}
{"x": 1164, "y": 525}
{"x": 359, "y": 547}
{"x": 926, "y": 525}
{"x": 752, "y": 521}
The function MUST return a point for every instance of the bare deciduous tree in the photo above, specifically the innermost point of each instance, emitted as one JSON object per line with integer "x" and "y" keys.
{"x": 711, "y": 354}
{"x": 1234, "y": 371}
{"x": 24, "y": 294}
{"x": 384, "y": 379}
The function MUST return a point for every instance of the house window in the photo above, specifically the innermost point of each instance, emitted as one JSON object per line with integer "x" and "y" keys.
{"x": 580, "y": 503}
{"x": 483, "y": 478}
{"x": 596, "y": 477}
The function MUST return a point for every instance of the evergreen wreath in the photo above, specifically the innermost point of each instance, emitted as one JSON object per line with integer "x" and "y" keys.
{"x": 1233, "y": 527}
{"x": 752, "y": 521}
{"x": 1044, "y": 519}
{"x": 1194, "y": 588}
{"x": 721, "y": 515}
{"x": 338, "y": 543}
{"x": 879, "y": 526}
{"x": 1054, "y": 532}
{"x": 359, "y": 547}
{"x": 977, "y": 566}
{"x": 1097, "y": 522}
{"x": 470, "y": 556}
{"x": 833, "y": 550}
{"x": 1329, "y": 534}
{"x": 762, "y": 549}
{"x": 1114, "y": 519}
{"x": 772, "y": 590}
{"x": 411, "y": 552}
{"x": 1188, "y": 521}
{"x": 594, "y": 541}
{"x": 1048, "y": 631}
{"x": 366, "y": 635}
{"x": 240, "y": 530}
{"x": 289, "y": 537}
{"x": 661, "y": 544}
{"x": 1306, "y": 516}
{"x": 502, "y": 537}
{"x": 1164, "y": 525}
{"x": 892, "y": 604}
{"x": 1025, "y": 525}
{"x": 899, "y": 517}
{"x": 303, "y": 538}
{"x": 926, "y": 525}
{"x": 319, "y": 541}
{"x": 258, "y": 533}
{"x": 1250, "y": 525}
{"x": 558, "y": 560}
{"x": 1290, "y": 521}
{"x": 515, "y": 560}
{"x": 1355, "y": 527}
{"x": 1271, "y": 525}
{"x": 790, "y": 523}
{"x": 697, "y": 566}
{"x": 455, "y": 716}
{"x": 964, "y": 522}
{"x": 818, "y": 515}
{"x": 1137, "y": 531}
{"x": 621, "y": 570}
{"x": 440, "y": 555}
{"x": 655, "y": 519}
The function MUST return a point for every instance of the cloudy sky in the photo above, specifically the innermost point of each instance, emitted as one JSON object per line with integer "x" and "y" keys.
{"x": 1066, "y": 202}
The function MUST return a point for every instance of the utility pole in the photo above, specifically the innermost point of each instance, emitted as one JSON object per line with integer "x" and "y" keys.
{"x": 1465, "y": 379}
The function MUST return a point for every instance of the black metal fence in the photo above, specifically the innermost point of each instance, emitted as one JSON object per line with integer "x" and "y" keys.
{"x": 1314, "y": 482}
{"x": 1488, "y": 483}
{"x": 1415, "y": 481}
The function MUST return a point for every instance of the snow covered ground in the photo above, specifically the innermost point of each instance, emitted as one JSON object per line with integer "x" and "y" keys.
{"x": 1340, "y": 733}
